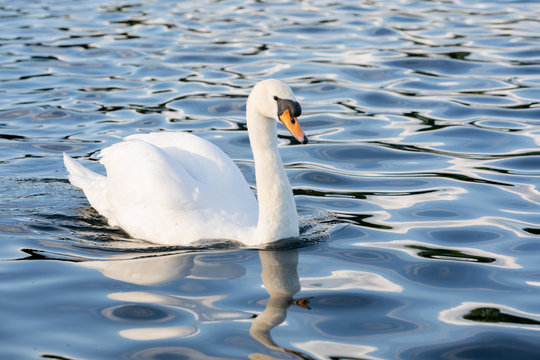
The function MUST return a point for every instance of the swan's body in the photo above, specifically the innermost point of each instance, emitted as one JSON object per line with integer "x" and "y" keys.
{"x": 176, "y": 188}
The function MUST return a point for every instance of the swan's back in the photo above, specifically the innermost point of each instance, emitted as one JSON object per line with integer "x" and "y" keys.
{"x": 173, "y": 188}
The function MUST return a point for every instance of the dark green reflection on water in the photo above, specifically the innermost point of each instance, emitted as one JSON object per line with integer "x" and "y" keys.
{"x": 494, "y": 315}
{"x": 432, "y": 253}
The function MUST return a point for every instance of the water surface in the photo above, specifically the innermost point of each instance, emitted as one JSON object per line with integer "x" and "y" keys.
{"x": 419, "y": 191}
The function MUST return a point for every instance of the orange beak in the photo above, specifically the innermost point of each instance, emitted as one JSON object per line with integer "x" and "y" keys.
{"x": 292, "y": 124}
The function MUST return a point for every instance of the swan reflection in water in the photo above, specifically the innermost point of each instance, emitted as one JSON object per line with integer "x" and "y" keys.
{"x": 279, "y": 276}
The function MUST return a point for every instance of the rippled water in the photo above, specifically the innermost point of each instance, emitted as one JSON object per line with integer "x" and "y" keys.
{"x": 419, "y": 190}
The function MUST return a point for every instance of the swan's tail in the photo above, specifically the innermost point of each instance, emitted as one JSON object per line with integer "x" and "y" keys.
{"x": 78, "y": 174}
{"x": 93, "y": 184}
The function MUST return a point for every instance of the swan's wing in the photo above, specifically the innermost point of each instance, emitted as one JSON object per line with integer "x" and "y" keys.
{"x": 166, "y": 186}
{"x": 140, "y": 174}
{"x": 209, "y": 169}
{"x": 199, "y": 157}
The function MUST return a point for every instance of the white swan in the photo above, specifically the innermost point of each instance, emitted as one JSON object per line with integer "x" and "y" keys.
{"x": 175, "y": 188}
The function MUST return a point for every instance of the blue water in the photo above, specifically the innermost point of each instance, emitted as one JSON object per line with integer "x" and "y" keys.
{"x": 419, "y": 192}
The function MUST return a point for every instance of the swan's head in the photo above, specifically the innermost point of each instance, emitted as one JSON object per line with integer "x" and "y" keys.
{"x": 273, "y": 99}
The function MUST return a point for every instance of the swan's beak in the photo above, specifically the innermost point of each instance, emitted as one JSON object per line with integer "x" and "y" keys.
{"x": 292, "y": 124}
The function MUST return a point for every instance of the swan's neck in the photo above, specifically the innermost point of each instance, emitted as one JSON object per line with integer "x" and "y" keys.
{"x": 277, "y": 211}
